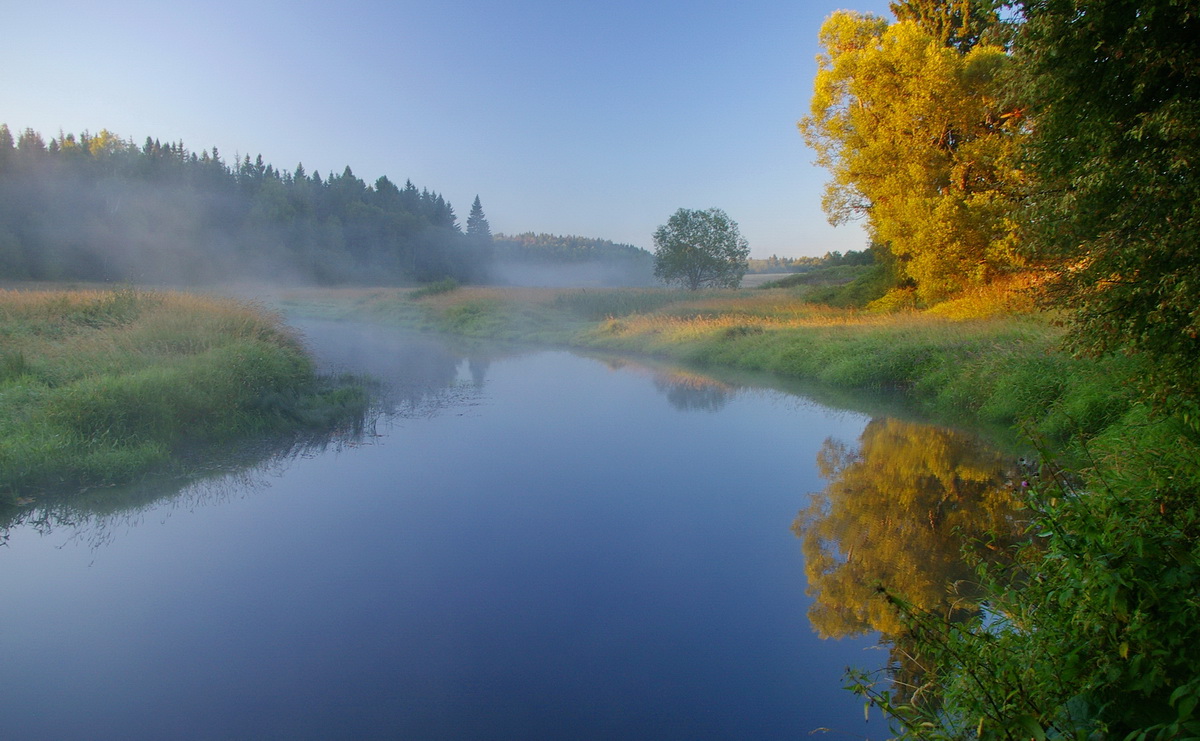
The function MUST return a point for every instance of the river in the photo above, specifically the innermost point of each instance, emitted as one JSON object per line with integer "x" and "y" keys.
{"x": 519, "y": 545}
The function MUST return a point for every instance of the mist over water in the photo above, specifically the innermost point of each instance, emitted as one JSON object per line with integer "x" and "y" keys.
{"x": 526, "y": 544}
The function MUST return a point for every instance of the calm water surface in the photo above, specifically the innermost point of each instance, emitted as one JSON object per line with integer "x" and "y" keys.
{"x": 534, "y": 545}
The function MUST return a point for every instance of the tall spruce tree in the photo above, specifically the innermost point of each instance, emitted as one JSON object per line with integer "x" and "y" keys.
{"x": 477, "y": 224}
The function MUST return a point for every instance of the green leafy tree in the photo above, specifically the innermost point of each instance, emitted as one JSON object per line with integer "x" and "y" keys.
{"x": 921, "y": 140}
{"x": 1114, "y": 88}
{"x": 700, "y": 249}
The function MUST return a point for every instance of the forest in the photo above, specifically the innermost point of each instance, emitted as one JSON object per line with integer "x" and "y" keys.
{"x": 550, "y": 259}
{"x": 96, "y": 207}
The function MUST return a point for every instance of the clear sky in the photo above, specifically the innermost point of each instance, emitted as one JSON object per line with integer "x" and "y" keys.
{"x": 591, "y": 118}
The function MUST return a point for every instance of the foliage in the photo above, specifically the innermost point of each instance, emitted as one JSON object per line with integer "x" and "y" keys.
{"x": 866, "y": 285}
{"x": 920, "y": 139}
{"x": 959, "y": 24}
{"x": 95, "y": 207}
{"x": 700, "y": 249}
{"x": 554, "y": 248}
{"x": 477, "y": 224}
{"x": 1102, "y": 637}
{"x": 776, "y": 264}
{"x": 1114, "y": 87}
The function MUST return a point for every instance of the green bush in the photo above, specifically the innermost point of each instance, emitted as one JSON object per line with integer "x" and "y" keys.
{"x": 1093, "y": 629}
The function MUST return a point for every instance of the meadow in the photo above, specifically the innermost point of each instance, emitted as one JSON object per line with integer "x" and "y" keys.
{"x": 99, "y": 387}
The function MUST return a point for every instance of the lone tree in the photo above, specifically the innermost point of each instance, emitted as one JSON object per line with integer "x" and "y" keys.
{"x": 477, "y": 223}
{"x": 699, "y": 249}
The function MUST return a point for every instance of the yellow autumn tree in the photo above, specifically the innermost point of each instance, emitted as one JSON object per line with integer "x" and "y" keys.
{"x": 920, "y": 140}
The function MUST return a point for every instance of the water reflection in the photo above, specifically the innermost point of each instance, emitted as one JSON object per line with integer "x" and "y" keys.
{"x": 895, "y": 514}
{"x": 689, "y": 392}
{"x": 409, "y": 377}
{"x": 572, "y": 557}
{"x": 95, "y": 514}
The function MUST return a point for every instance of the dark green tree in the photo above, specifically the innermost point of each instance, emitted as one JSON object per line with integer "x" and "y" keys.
{"x": 477, "y": 224}
{"x": 1114, "y": 87}
{"x": 700, "y": 249}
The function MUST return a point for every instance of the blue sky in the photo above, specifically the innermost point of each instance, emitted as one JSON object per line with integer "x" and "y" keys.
{"x": 598, "y": 119}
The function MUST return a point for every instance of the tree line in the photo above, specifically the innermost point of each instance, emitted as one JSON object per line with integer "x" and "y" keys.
{"x": 805, "y": 264}
{"x": 541, "y": 247}
{"x": 98, "y": 207}
{"x": 551, "y": 259}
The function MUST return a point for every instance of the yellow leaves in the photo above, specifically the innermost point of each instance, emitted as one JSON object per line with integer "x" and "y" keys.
{"x": 913, "y": 132}
{"x": 105, "y": 142}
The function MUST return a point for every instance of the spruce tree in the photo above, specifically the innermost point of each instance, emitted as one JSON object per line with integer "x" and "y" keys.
{"x": 477, "y": 223}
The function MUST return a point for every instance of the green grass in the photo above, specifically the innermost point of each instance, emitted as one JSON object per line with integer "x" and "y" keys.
{"x": 97, "y": 388}
{"x": 986, "y": 357}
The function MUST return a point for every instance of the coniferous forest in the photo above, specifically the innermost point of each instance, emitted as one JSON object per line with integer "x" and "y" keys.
{"x": 98, "y": 207}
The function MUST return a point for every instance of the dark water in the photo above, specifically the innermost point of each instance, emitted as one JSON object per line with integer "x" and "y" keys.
{"x": 536, "y": 545}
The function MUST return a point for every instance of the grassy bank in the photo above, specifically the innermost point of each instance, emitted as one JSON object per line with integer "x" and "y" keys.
{"x": 986, "y": 358}
{"x": 99, "y": 387}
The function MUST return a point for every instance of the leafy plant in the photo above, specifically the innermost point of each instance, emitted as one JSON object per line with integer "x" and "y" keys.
{"x": 1093, "y": 630}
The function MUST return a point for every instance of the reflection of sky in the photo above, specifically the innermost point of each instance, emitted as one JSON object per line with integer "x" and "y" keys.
{"x": 572, "y": 556}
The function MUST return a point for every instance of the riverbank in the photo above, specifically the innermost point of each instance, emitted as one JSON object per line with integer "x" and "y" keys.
{"x": 986, "y": 358}
{"x": 101, "y": 387}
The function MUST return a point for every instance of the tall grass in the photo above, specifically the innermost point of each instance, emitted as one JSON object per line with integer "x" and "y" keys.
{"x": 97, "y": 387}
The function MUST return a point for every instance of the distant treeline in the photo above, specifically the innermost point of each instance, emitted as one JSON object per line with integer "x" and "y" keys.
{"x": 97, "y": 207}
{"x": 776, "y": 264}
{"x": 550, "y": 259}
{"x": 554, "y": 248}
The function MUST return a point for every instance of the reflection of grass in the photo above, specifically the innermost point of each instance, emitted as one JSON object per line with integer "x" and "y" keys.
{"x": 224, "y": 472}
{"x": 100, "y": 386}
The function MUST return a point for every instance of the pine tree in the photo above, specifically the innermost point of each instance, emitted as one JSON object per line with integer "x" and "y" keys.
{"x": 477, "y": 224}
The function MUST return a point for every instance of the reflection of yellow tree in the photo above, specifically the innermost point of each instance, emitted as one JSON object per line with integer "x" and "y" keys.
{"x": 895, "y": 515}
